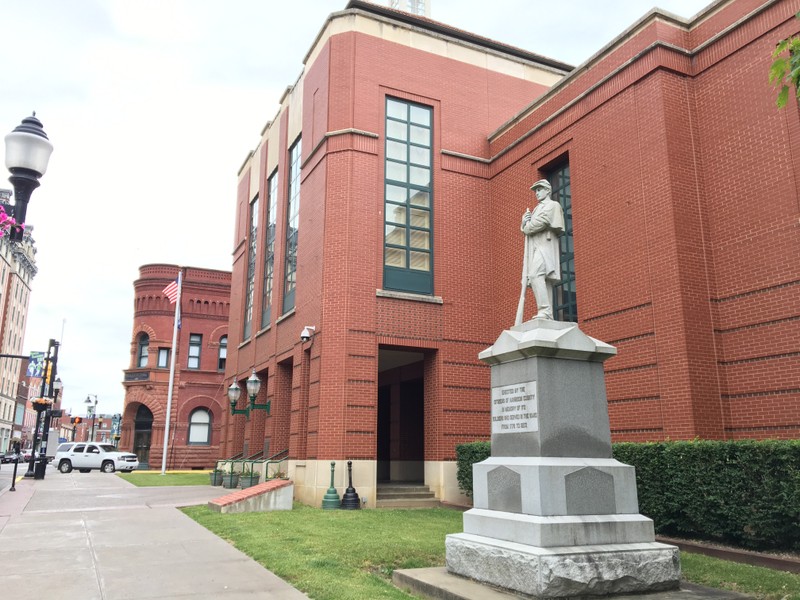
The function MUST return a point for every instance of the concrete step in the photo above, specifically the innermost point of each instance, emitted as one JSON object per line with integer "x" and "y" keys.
{"x": 405, "y": 495}
{"x": 416, "y": 494}
{"x": 394, "y": 488}
{"x": 407, "y": 503}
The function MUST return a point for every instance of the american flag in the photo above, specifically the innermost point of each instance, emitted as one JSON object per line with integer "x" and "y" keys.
{"x": 171, "y": 291}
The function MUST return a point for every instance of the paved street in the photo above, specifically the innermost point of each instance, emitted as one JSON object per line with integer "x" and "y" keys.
{"x": 95, "y": 536}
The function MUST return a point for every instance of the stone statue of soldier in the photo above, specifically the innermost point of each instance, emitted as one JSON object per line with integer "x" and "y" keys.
{"x": 541, "y": 265}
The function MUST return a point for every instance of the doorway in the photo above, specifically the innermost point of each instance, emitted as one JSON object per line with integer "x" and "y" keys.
{"x": 401, "y": 416}
{"x": 142, "y": 434}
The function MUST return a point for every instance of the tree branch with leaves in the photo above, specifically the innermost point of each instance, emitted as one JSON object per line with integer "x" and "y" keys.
{"x": 785, "y": 70}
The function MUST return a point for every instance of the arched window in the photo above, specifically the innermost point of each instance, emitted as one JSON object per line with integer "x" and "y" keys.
{"x": 200, "y": 427}
{"x": 142, "y": 345}
{"x": 223, "y": 352}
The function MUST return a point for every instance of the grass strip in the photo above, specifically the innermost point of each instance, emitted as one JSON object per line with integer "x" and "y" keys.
{"x": 145, "y": 479}
{"x": 338, "y": 554}
{"x": 760, "y": 582}
{"x": 350, "y": 555}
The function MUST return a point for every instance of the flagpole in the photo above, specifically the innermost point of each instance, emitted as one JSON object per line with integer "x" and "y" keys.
{"x": 171, "y": 372}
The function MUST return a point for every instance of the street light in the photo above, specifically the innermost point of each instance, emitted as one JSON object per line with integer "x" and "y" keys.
{"x": 253, "y": 387}
{"x": 27, "y": 153}
{"x": 94, "y": 412}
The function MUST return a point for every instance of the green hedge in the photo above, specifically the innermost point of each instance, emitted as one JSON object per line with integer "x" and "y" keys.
{"x": 745, "y": 493}
{"x": 466, "y": 456}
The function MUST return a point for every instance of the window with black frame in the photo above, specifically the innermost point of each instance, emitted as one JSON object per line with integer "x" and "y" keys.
{"x": 565, "y": 301}
{"x": 292, "y": 227}
{"x": 251, "y": 269}
{"x": 269, "y": 254}
{"x": 142, "y": 349}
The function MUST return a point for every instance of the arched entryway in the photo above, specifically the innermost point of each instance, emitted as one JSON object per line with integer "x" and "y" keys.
{"x": 142, "y": 434}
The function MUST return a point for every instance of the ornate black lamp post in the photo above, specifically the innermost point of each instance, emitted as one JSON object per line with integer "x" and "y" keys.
{"x": 88, "y": 401}
{"x": 27, "y": 153}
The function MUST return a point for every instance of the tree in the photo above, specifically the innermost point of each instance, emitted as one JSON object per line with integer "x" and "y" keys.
{"x": 785, "y": 70}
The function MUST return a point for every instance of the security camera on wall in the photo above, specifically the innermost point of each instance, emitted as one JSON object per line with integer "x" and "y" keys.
{"x": 307, "y": 333}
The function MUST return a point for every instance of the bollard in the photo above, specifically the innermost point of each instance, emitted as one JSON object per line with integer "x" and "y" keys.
{"x": 350, "y": 500}
{"x": 331, "y": 498}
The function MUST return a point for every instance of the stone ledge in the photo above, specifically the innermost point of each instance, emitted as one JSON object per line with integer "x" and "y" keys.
{"x": 263, "y": 496}
{"x": 566, "y": 571}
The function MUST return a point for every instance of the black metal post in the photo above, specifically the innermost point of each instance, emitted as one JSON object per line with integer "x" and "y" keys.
{"x": 32, "y": 463}
{"x": 17, "y": 449}
{"x": 38, "y": 472}
{"x": 94, "y": 415}
{"x": 24, "y": 182}
{"x": 40, "y": 408}
{"x": 350, "y": 500}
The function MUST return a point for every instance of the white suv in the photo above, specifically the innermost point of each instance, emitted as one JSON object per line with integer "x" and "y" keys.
{"x": 86, "y": 456}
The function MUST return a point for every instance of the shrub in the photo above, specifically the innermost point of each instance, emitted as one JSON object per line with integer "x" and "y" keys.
{"x": 466, "y": 456}
{"x": 745, "y": 493}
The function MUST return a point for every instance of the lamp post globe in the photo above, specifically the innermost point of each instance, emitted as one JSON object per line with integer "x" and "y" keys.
{"x": 28, "y": 151}
{"x": 234, "y": 392}
{"x": 253, "y": 385}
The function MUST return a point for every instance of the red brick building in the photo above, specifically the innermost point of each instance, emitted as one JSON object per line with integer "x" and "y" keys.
{"x": 198, "y": 399}
{"x": 382, "y": 208}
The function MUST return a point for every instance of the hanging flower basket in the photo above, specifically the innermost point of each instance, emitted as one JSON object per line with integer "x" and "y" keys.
{"x": 7, "y": 222}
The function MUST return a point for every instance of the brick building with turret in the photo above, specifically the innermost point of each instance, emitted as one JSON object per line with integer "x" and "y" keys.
{"x": 198, "y": 397}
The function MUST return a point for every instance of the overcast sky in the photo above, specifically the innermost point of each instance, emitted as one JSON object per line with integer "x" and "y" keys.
{"x": 152, "y": 106}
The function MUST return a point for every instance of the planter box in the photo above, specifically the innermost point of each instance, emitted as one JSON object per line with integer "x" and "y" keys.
{"x": 230, "y": 480}
{"x": 245, "y": 481}
{"x": 215, "y": 478}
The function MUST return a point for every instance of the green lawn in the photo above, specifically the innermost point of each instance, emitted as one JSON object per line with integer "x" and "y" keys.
{"x": 746, "y": 579}
{"x": 147, "y": 479}
{"x": 350, "y": 555}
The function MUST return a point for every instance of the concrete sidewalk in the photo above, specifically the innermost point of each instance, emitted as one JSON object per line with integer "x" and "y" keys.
{"x": 96, "y": 536}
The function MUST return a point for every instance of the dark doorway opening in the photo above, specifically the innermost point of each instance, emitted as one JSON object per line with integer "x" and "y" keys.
{"x": 142, "y": 435}
{"x": 401, "y": 416}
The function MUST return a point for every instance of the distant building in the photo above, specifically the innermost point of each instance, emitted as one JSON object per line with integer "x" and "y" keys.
{"x": 17, "y": 270}
{"x": 380, "y": 214}
{"x": 199, "y": 398}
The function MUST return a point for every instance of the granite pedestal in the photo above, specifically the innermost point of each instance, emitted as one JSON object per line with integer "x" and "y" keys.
{"x": 554, "y": 514}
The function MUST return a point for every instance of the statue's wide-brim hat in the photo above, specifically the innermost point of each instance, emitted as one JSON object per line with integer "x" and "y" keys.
{"x": 543, "y": 183}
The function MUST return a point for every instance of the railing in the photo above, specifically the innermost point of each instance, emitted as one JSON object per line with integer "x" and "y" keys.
{"x": 238, "y": 464}
{"x": 276, "y": 467}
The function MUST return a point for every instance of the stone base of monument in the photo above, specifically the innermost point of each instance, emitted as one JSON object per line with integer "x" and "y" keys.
{"x": 564, "y": 571}
{"x": 555, "y": 515}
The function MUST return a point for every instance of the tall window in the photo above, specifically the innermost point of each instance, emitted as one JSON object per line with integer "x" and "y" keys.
{"x": 408, "y": 243}
{"x": 292, "y": 223}
{"x": 142, "y": 346}
{"x": 251, "y": 269}
{"x": 223, "y": 353}
{"x": 565, "y": 303}
{"x": 163, "y": 358}
{"x": 200, "y": 427}
{"x": 195, "y": 342}
{"x": 269, "y": 258}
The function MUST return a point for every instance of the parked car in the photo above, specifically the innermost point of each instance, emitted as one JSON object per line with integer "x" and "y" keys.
{"x": 86, "y": 456}
{"x": 26, "y": 455}
{"x": 9, "y": 457}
